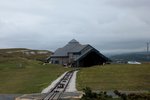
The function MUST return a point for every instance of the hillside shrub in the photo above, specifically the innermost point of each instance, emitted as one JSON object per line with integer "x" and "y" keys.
{"x": 89, "y": 95}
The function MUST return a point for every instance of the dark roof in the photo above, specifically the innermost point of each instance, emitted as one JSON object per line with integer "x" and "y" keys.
{"x": 91, "y": 50}
{"x": 72, "y": 46}
{"x": 83, "y": 54}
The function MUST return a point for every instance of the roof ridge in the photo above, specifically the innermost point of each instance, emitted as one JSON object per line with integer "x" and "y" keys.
{"x": 73, "y": 41}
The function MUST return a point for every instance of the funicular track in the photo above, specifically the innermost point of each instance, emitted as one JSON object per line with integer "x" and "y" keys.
{"x": 56, "y": 92}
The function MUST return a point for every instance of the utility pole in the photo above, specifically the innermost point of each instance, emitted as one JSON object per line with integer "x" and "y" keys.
{"x": 148, "y": 46}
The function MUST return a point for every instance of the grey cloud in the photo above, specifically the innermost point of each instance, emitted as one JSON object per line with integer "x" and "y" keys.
{"x": 108, "y": 25}
{"x": 129, "y": 3}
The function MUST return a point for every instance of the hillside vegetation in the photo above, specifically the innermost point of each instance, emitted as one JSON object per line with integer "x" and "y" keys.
{"x": 24, "y": 53}
{"x": 115, "y": 77}
{"x": 27, "y": 76}
{"x": 20, "y": 72}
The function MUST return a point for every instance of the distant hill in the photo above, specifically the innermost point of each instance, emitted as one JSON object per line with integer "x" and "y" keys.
{"x": 24, "y": 53}
{"x": 137, "y": 56}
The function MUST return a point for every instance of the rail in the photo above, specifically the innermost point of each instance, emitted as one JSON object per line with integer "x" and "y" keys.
{"x": 56, "y": 92}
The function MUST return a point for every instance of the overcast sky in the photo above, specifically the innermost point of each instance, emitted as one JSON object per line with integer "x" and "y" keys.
{"x": 108, "y": 25}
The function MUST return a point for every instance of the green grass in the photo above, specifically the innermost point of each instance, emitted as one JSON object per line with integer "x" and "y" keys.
{"x": 115, "y": 77}
{"x": 20, "y": 75}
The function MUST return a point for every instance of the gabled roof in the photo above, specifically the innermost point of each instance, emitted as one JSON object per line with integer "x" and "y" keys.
{"x": 73, "y": 46}
{"x": 92, "y": 50}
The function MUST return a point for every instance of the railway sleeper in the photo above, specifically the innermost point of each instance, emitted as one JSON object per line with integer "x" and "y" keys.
{"x": 61, "y": 86}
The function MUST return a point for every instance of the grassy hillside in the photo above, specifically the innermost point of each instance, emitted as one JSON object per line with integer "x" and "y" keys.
{"x": 27, "y": 76}
{"x": 21, "y": 74}
{"x": 115, "y": 77}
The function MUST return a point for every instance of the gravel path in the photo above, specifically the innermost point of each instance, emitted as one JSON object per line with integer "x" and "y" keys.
{"x": 72, "y": 85}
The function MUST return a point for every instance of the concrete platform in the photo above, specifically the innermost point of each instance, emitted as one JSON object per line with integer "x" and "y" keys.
{"x": 71, "y": 95}
{"x": 38, "y": 96}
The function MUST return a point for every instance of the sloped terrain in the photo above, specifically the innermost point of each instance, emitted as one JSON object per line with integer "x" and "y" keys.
{"x": 21, "y": 72}
{"x": 20, "y": 53}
